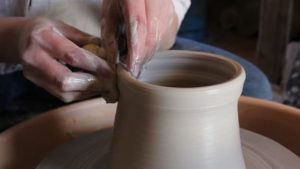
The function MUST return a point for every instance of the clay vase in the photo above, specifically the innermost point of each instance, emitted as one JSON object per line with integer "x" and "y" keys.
{"x": 180, "y": 114}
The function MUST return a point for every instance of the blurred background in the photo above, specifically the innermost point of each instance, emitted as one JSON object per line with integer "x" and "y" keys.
{"x": 265, "y": 32}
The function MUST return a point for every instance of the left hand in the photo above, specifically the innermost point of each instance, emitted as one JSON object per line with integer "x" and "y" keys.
{"x": 47, "y": 46}
{"x": 152, "y": 25}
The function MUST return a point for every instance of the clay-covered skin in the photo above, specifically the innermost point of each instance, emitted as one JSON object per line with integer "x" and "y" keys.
{"x": 48, "y": 46}
{"x": 151, "y": 25}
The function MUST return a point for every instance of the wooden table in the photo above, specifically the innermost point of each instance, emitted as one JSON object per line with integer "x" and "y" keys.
{"x": 25, "y": 145}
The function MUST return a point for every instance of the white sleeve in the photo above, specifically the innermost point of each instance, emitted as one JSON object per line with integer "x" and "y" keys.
{"x": 181, "y": 7}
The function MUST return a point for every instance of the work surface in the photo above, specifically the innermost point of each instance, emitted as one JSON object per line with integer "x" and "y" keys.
{"x": 25, "y": 145}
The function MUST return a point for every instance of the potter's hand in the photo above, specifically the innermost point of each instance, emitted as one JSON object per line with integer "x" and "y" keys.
{"x": 47, "y": 47}
{"x": 148, "y": 21}
{"x": 151, "y": 25}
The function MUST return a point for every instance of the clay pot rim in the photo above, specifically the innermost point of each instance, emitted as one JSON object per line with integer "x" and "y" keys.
{"x": 233, "y": 81}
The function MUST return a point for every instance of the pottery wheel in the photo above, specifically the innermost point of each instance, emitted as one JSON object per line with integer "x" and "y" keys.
{"x": 90, "y": 152}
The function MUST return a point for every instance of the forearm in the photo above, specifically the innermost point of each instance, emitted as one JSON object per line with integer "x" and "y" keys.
{"x": 10, "y": 31}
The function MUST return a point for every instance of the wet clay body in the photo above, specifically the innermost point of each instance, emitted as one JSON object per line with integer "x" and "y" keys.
{"x": 181, "y": 113}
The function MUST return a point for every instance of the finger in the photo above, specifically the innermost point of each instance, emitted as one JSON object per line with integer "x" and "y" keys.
{"x": 78, "y": 37}
{"x": 40, "y": 67}
{"x": 75, "y": 96}
{"x": 111, "y": 18}
{"x": 68, "y": 97}
{"x": 65, "y": 96}
{"x": 65, "y": 50}
{"x": 43, "y": 66}
{"x": 153, "y": 12}
{"x": 79, "y": 81}
{"x": 137, "y": 21}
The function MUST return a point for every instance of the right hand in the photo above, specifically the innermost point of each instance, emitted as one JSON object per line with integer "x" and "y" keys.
{"x": 151, "y": 25}
{"x": 47, "y": 46}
